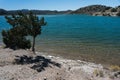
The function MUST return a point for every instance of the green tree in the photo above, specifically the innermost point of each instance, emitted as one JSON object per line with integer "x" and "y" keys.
{"x": 15, "y": 38}
{"x": 33, "y": 24}
{"x": 22, "y": 26}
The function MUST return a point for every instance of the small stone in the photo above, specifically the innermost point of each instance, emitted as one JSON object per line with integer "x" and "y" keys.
{"x": 117, "y": 74}
{"x": 69, "y": 68}
{"x": 45, "y": 78}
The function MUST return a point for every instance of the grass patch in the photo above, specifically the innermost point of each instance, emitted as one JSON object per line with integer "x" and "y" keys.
{"x": 98, "y": 73}
{"x": 114, "y": 68}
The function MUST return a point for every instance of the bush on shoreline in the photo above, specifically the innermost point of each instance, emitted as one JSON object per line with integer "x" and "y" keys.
{"x": 22, "y": 26}
{"x": 14, "y": 39}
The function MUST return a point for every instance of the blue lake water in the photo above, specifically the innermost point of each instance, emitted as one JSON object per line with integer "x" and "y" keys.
{"x": 92, "y": 38}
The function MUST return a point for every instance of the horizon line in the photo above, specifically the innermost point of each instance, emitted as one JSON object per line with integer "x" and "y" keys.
{"x": 59, "y": 10}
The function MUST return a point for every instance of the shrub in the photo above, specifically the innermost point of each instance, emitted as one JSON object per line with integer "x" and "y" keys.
{"x": 15, "y": 39}
{"x": 22, "y": 25}
{"x": 118, "y": 14}
{"x": 113, "y": 10}
{"x": 33, "y": 24}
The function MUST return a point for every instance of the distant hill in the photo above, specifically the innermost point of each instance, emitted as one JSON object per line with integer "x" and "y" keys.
{"x": 91, "y": 9}
{"x": 96, "y": 10}
{"x": 26, "y": 11}
{"x": 3, "y": 12}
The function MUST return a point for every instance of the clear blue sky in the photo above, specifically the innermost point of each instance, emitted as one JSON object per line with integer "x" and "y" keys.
{"x": 53, "y": 4}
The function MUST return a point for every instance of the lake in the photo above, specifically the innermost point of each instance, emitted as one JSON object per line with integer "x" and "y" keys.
{"x": 90, "y": 38}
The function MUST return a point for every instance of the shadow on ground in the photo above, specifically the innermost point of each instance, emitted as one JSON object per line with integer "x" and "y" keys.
{"x": 39, "y": 62}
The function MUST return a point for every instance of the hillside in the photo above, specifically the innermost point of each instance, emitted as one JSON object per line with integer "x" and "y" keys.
{"x": 3, "y": 12}
{"x": 95, "y": 10}
{"x": 98, "y": 10}
{"x": 26, "y": 11}
{"x": 91, "y": 9}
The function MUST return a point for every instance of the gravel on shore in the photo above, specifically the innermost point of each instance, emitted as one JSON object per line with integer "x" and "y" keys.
{"x": 24, "y": 65}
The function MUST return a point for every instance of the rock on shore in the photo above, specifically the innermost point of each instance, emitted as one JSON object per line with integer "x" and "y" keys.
{"x": 23, "y": 65}
{"x": 105, "y": 14}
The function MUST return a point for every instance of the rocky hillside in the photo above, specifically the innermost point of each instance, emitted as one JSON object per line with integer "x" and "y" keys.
{"x": 99, "y": 10}
{"x": 91, "y": 9}
{"x": 95, "y": 10}
{"x": 110, "y": 12}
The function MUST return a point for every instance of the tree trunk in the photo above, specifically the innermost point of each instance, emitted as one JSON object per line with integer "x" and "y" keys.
{"x": 33, "y": 46}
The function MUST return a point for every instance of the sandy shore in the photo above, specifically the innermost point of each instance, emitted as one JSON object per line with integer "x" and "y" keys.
{"x": 23, "y": 65}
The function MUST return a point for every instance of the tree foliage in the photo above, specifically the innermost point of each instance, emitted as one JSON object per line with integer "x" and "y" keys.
{"x": 22, "y": 25}
{"x": 113, "y": 10}
{"x": 33, "y": 24}
{"x": 15, "y": 39}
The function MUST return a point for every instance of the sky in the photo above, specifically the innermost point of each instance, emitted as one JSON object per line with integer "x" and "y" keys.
{"x": 53, "y": 4}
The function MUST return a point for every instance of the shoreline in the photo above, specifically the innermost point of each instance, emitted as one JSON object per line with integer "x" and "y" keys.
{"x": 108, "y": 59}
{"x": 72, "y": 57}
{"x": 53, "y": 68}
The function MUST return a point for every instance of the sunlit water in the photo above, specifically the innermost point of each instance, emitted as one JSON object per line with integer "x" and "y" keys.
{"x": 92, "y": 38}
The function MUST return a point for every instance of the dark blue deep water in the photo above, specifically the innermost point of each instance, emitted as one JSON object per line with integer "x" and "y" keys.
{"x": 93, "y": 38}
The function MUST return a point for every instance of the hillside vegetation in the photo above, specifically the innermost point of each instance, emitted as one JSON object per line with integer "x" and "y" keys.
{"x": 39, "y": 12}
{"x": 91, "y": 9}
{"x": 100, "y": 10}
